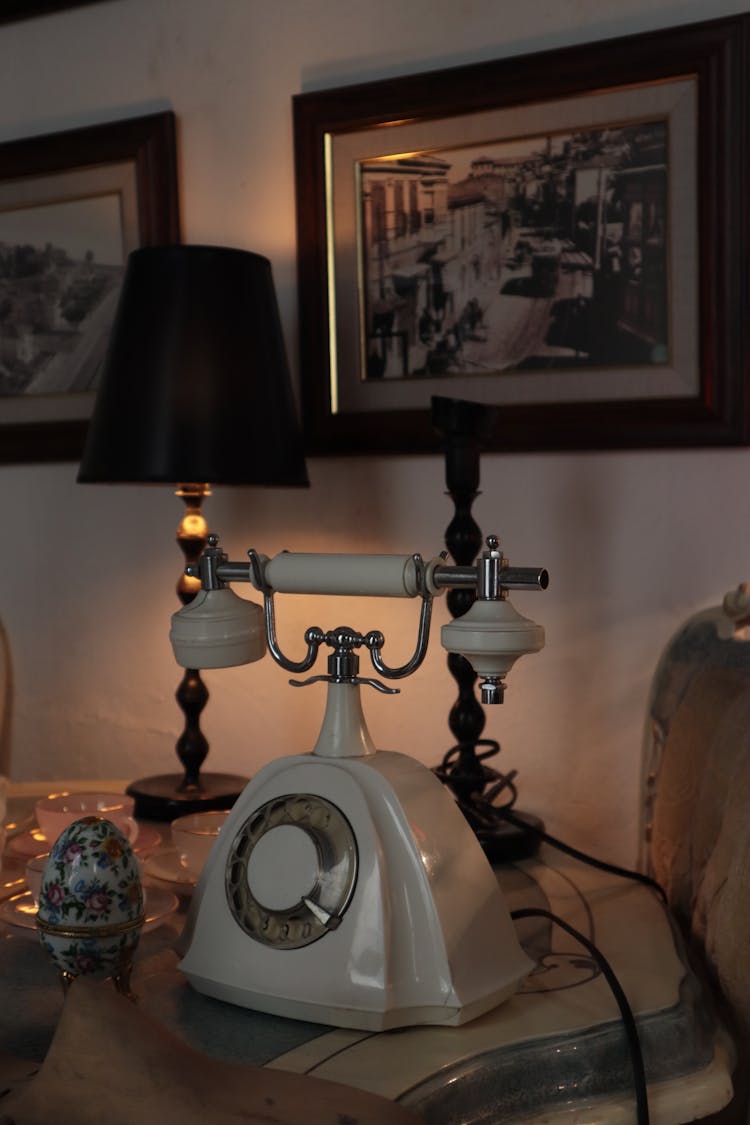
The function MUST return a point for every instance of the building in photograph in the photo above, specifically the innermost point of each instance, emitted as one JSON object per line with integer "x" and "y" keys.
{"x": 554, "y": 255}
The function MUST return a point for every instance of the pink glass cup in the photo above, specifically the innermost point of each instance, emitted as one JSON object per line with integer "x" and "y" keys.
{"x": 55, "y": 812}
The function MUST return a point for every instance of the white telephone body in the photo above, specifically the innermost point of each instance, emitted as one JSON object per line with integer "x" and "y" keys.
{"x": 346, "y": 886}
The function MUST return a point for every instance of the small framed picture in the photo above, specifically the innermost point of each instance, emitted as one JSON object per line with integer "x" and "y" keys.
{"x": 72, "y": 206}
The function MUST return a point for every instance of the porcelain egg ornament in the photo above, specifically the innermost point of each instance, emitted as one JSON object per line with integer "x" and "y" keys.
{"x": 91, "y": 903}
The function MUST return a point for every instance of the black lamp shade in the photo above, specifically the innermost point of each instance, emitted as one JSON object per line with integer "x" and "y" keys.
{"x": 195, "y": 385}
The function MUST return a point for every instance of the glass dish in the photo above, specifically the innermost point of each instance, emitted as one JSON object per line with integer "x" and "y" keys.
{"x": 20, "y": 910}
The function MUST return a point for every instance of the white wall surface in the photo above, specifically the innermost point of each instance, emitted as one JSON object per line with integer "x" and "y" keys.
{"x": 633, "y": 541}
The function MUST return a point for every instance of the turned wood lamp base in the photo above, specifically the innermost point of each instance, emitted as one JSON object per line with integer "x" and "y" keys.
{"x": 168, "y": 796}
{"x": 162, "y": 798}
{"x": 463, "y": 427}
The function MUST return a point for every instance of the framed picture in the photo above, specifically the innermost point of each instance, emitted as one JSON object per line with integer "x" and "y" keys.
{"x": 72, "y": 206}
{"x": 11, "y": 10}
{"x": 562, "y": 235}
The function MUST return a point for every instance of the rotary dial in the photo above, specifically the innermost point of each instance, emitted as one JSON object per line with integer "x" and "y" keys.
{"x": 291, "y": 871}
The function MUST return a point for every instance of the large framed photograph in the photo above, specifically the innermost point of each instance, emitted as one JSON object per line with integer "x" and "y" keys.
{"x": 562, "y": 235}
{"x": 73, "y": 205}
{"x": 11, "y": 10}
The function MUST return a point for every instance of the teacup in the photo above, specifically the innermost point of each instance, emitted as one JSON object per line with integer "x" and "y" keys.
{"x": 55, "y": 812}
{"x": 3, "y": 810}
{"x": 193, "y": 837}
{"x": 33, "y": 872}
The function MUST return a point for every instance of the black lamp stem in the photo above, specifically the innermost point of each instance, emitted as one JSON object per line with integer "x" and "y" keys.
{"x": 464, "y": 427}
{"x": 192, "y": 693}
{"x": 192, "y": 745}
{"x": 463, "y": 538}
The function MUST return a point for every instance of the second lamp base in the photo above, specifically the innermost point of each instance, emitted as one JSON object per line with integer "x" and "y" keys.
{"x": 160, "y": 797}
{"x": 509, "y": 843}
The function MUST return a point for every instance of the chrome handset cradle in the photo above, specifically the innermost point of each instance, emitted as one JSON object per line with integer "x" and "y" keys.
{"x": 492, "y": 635}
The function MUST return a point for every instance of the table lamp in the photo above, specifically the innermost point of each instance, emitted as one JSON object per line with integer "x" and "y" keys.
{"x": 195, "y": 391}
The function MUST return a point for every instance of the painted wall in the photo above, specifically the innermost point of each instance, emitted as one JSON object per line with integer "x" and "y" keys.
{"x": 633, "y": 541}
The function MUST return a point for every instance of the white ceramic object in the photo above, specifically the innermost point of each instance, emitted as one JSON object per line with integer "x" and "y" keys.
{"x": 392, "y": 576}
{"x": 218, "y": 629}
{"x": 348, "y": 889}
{"x": 91, "y": 902}
{"x": 55, "y": 812}
{"x": 492, "y": 635}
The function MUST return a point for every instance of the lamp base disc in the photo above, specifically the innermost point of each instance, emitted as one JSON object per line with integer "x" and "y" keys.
{"x": 160, "y": 798}
{"x": 507, "y": 843}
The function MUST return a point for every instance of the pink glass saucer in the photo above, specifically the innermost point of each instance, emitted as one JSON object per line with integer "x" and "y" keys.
{"x": 33, "y": 842}
{"x": 20, "y": 910}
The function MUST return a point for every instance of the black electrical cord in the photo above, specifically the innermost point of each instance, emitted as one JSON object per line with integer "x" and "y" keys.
{"x": 478, "y": 805}
{"x": 481, "y": 810}
{"x": 626, "y": 1012}
{"x": 613, "y": 868}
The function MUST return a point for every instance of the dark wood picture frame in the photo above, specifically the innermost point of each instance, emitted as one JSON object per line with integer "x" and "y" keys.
{"x": 148, "y": 144}
{"x": 14, "y": 10}
{"x": 714, "y": 56}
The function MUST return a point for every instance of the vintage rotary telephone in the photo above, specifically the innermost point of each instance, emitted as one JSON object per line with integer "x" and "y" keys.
{"x": 346, "y": 886}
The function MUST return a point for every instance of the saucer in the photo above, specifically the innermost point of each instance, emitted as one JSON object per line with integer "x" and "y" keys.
{"x": 28, "y": 844}
{"x": 20, "y": 910}
{"x": 33, "y": 842}
{"x": 17, "y": 824}
{"x": 165, "y": 866}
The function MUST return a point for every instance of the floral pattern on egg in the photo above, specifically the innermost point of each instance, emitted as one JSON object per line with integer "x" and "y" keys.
{"x": 91, "y": 901}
